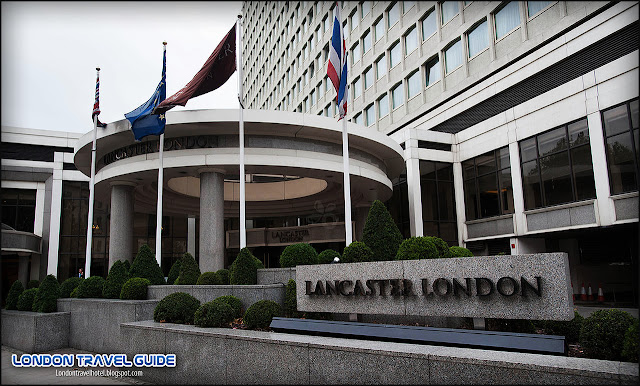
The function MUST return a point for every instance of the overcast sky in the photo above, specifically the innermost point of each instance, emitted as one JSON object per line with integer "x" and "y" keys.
{"x": 50, "y": 51}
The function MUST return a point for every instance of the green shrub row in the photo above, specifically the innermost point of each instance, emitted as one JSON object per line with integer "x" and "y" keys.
{"x": 610, "y": 334}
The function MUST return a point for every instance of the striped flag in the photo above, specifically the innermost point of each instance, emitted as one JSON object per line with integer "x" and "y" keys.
{"x": 337, "y": 67}
{"x": 96, "y": 104}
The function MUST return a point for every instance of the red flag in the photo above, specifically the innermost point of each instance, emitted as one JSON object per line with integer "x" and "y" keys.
{"x": 215, "y": 72}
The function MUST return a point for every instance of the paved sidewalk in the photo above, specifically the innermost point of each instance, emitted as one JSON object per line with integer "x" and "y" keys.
{"x": 47, "y": 375}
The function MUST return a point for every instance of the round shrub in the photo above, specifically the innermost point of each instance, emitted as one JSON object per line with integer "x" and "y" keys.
{"x": 74, "y": 293}
{"x": 441, "y": 246}
{"x": 357, "y": 252}
{"x": 223, "y": 276}
{"x": 213, "y": 314}
{"x": 33, "y": 284}
{"x": 290, "y": 301}
{"x": 380, "y": 233}
{"x": 327, "y": 256}
{"x": 145, "y": 265}
{"x": 630, "y": 348}
{"x": 207, "y": 278}
{"x": 25, "y": 300}
{"x": 243, "y": 269}
{"x": 260, "y": 313}
{"x": 47, "y": 297}
{"x": 298, "y": 254}
{"x": 174, "y": 271}
{"x": 178, "y": 307}
{"x": 234, "y": 302}
{"x": 91, "y": 287}
{"x": 67, "y": 286}
{"x": 135, "y": 289}
{"x": 189, "y": 271}
{"x": 602, "y": 333}
{"x": 14, "y": 293}
{"x": 415, "y": 248}
{"x": 457, "y": 251}
{"x": 569, "y": 329}
{"x": 116, "y": 278}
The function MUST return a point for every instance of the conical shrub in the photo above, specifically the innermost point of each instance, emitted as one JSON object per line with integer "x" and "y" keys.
{"x": 14, "y": 293}
{"x": 244, "y": 270}
{"x": 189, "y": 271}
{"x": 381, "y": 233}
{"x": 47, "y": 296}
{"x": 116, "y": 278}
{"x": 146, "y": 266}
{"x": 174, "y": 272}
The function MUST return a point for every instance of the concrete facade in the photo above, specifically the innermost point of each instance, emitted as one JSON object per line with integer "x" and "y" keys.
{"x": 35, "y": 332}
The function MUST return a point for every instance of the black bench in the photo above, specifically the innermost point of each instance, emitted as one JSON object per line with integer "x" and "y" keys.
{"x": 493, "y": 340}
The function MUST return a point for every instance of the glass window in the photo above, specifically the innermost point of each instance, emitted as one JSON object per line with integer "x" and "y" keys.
{"x": 313, "y": 97}
{"x": 379, "y": 29}
{"x": 533, "y": 7}
{"x": 453, "y": 57}
{"x": 432, "y": 70}
{"x": 325, "y": 23}
{"x": 383, "y": 106}
{"x": 438, "y": 201}
{"x": 355, "y": 53}
{"x": 397, "y": 96}
{"x": 366, "y": 41}
{"x": 357, "y": 88}
{"x": 411, "y": 40}
{"x": 478, "y": 39}
{"x": 393, "y": 15}
{"x": 507, "y": 19}
{"x": 395, "y": 54}
{"x": 365, "y": 8}
{"x": 413, "y": 84}
{"x": 429, "y": 25}
{"x": 369, "y": 115}
{"x": 381, "y": 67}
{"x": 368, "y": 78}
{"x": 19, "y": 208}
{"x": 622, "y": 146}
{"x": 449, "y": 10}
{"x": 406, "y": 5}
{"x": 355, "y": 20}
{"x": 359, "y": 119}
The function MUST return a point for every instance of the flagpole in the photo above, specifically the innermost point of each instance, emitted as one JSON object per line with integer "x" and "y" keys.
{"x": 347, "y": 183}
{"x": 160, "y": 189}
{"x": 87, "y": 258}
{"x": 243, "y": 231}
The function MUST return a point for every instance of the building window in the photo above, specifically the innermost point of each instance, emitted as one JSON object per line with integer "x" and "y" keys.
{"x": 395, "y": 53}
{"x": 383, "y": 106}
{"x": 325, "y": 23}
{"x": 438, "y": 201}
{"x": 357, "y": 88}
{"x": 313, "y": 97}
{"x": 368, "y": 77}
{"x": 355, "y": 20}
{"x": 406, "y": 5}
{"x": 397, "y": 96}
{"x": 413, "y": 84}
{"x": 507, "y": 19}
{"x": 365, "y": 8}
{"x": 432, "y": 71}
{"x": 411, "y": 40}
{"x": 487, "y": 185}
{"x": 358, "y": 119}
{"x": 453, "y": 57}
{"x": 379, "y": 29}
{"x": 557, "y": 167}
{"x": 429, "y": 25}
{"x": 393, "y": 15}
{"x": 398, "y": 205}
{"x": 534, "y": 7}
{"x": 19, "y": 209}
{"x": 478, "y": 39}
{"x": 355, "y": 53}
{"x": 366, "y": 41}
{"x": 621, "y": 138}
{"x": 449, "y": 10}
{"x": 370, "y": 118}
{"x": 381, "y": 67}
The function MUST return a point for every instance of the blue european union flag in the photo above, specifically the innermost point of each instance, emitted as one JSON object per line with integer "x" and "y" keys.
{"x": 144, "y": 123}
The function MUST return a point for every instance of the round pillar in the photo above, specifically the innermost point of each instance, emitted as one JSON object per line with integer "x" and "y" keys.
{"x": 121, "y": 223}
{"x": 211, "y": 253}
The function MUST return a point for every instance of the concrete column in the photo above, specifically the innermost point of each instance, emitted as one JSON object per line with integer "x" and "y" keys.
{"x": 35, "y": 267}
{"x": 191, "y": 235}
{"x": 520, "y": 223}
{"x": 458, "y": 192}
{"x": 121, "y": 224}
{"x": 413, "y": 188}
{"x": 211, "y": 220}
{"x": 606, "y": 209}
{"x": 361, "y": 217}
{"x": 23, "y": 269}
{"x": 55, "y": 215}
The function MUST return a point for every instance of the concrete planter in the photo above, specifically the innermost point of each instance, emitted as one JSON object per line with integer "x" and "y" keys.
{"x": 35, "y": 332}
{"x": 256, "y": 357}
{"x": 276, "y": 275}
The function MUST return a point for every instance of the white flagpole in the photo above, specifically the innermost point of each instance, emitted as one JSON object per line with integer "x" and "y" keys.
{"x": 160, "y": 189}
{"x": 347, "y": 183}
{"x": 243, "y": 231}
{"x": 87, "y": 258}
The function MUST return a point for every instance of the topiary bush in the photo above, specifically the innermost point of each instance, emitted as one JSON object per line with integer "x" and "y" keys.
{"x": 178, "y": 307}
{"x": 127, "y": 265}
{"x": 174, "y": 271}
{"x": 415, "y": 248}
{"x": 380, "y": 233}
{"x": 223, "y": 277}
{"x": 234, "y": 302}
{"x": 327, "y": 256}
{"x": 14, "y": 293}
{"x": 213, "y": 314}
{"x": 630, "y": 348}
{"x": 189, "y": 271}
{"x": 260, "y": 313}
{"x": 135, "y": 289}
{"x": 145, "y": 265}
{"x": 258, "y": 263}
{"x": 290, "y": 301}
{"x": 298, "y": 254}
{"x": 47, "y": 296}
{"x": 116, "y": 278}
{"x": 602, "y": 333}
{"x": 441, "y": 246}
{"x": 67, "y": 286}
{"x": 457, "y": 251}
{"x": 569, "y": 329}
{"x": 357, "y": 252}
{"x": 25, "y": 300}
{"x": 91, "y": 287}
{"x": 207, "y": 278}
{"x": 33, "y": 284}
{"x": 74, "y": 293}
{"x": 243, "y": 269}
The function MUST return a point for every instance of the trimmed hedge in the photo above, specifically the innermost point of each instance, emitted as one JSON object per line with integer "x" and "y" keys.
{"x": 47, "y": 297}
{"x": 223, "y": 277}
{"x": 630, "y": 348}
{"x": 174, "y": 271}
{"x": 602, "y": 333}
{"x": 380, "y": 233}
{"x": 74, "y": 293}
{"x": 145, "y": 265}
{"x": 127, "y": 265}
{"x": 67, "y": 286}
{"x": 243, "y": 269}
{"x": 327, "y": 256}
{"x": 14, "y": 293}
{"x": 260, "y": 313}
{"x": 569, "y": 329}
{"x": 441, "y": 246}
{"x": 213, "y": 314}
{"x": 91, "y": 287}
{"x": 298, "y": 254}
{"x": 135, "y": 289}
{"x": 25, "y": 300}
{"x": 234, "y": 302}
{"x": 290, "y": 301}
{"x": 189, "y": 271}
{"x": 33, "y": 284}
{"x": 457, "y": 251}
{"x": 415, "y": 248}
{"x": 207, "y": 278}
{"x": 116, "y": 278}
{"x": 178, "y": 307}
{"x": 357, "y": 252}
